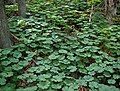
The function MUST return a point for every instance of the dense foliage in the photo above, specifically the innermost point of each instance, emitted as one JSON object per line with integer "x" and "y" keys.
{"x": 59, "y": 50}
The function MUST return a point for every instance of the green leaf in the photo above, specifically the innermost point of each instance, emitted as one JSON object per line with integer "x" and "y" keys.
{"x": 23, "y": 63}
{"x": 111, "y": 81}
{"x": 72, "y": 68}
{"x": 44, "y": 77}
{"x": 115, "y": 76}
{"x": 65, "y": 61}
{"x": 2, "y": 81}
{"x": 56, "y": 86}
{"x": 44, "y": 85}
{"x": 8, "y": 87}
{"x": 80, "y": 50}
{"x": 16, "y": 67}
{"x": 13, "y": 60}
{"x": 57, "y": 78}
{"x": 6, "y": 62}
{"x": 32, "y": 69}
{"x": 107, "y": 74}
{"x": 21, "y": 22}
{"x": 48, "y": 42}
{"x": 103, "y": 87}
{"x": 6, "y": 51}
{"x": 70, "y": 57}
{"x": 33, "y": 88}
{"x": 62, "y": 51}
{"x": 53, "y": 56}
{"x": 30, "y": 55}
{"x": 88, "y": 78}
{"x": 93, "y": 84}
{"x": 17, "y": 54}
{"x": 69, "y": 81}
{"x": 109, "y": 68}
{"x": 55, "y": 69}
{"x": 7, "y": 74}
{"x": 68, "y": 88}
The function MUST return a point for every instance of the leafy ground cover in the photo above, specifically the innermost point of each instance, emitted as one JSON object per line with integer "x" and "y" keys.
{"x": 59, "y": 50}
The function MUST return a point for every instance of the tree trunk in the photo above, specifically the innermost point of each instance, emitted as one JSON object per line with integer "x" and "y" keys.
{"x": 4, "y": 33}
{"x": 22, "y": 8}
{"x": 111, "y": 9}
{"x": 9, "y": 2}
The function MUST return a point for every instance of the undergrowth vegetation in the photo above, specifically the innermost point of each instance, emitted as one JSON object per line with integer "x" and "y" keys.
{"x": 60, "y": 50}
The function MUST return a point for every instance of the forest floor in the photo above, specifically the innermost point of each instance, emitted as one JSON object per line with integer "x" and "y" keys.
{"x": 60, "y": 50}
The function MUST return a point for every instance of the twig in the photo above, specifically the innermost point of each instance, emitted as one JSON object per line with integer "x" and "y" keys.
{"x": 14, "y": 38}
{"x": 91, "y": 13}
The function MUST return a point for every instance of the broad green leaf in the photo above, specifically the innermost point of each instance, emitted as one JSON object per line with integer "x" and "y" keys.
{"x": 111, "y": 81}
{"x": 17, "y": 54}
{"x": 6, "y": 51}
{"x": 68, "y": 88}
{"x": 33, "y": 88}
{"x": 43, "y": 85}
{"x": 2, "y": 81}
{"x": 56, "y": 86}
{"x": 88, "y": 78}
{"x": 62, "y": 51}
{"x": 72, "y": 68}
{"x": 53, "y": 56}
{"x": 57, "y": 78}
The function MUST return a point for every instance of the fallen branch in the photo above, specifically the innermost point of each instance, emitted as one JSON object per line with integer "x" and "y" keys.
{"x": 14, "y": 38}
{"x": 91, "y": 13}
